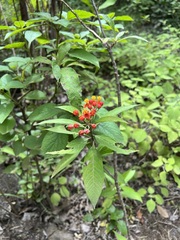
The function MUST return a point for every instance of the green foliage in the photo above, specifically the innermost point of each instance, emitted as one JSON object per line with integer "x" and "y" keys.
{"x": 154, "y": 13}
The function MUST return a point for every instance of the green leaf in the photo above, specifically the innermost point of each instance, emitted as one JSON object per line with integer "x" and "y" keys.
{"x": 139, "y": 135}
{"x": 64, "y": 192}
{"x": 5, "y": 69}
{"x": 93, "y": 175}
{"x": 62, "y": 180}
{"x": 32, "y": 142}
{"x": 119, "y": 110}
{"x": 136, "y": 37}
{"x": 159, "y": 199}
{"x": 108, "y": 119}
{"x": 165, "y": 128}
{"x": 15, "y": 45}
{"x": 85, "y": 56}
{"x": 111, "y": 144}
{"x": 77, "y": 144}
{"x": 157, "y": 163}
{"x": 7, "y": 28}
{"x": 6, "y": 82}
{"x": 63, "y": 121}
{"x": 163, "y": 177}
{"x": 44, "y": 111}
{"x": 110, "y": 130}
{"x": 176, "y": 169}
{"x": 71, "y": 84}
{"x": 81, "y": 14}
{"x": 19, "y": 24}
{"x": 41, "y": 59}
{"x": 67, "y": 108}
{"x": 164, "y": 191}
{"x": 62, "y": 52}
{"x": 150, "y": 205}
{"x": 30, "y": 36}
{"x": 42, "y": 40}
{"x": 128, "y": 175}
{"x": 172, "y": 136}
{"x": 54, "y": 142}
{"x": 5, "y": 110}
{"x": 34, "y": 78}
{"x": 62, "y": 129}
{"x": 121, "y": 225}
{"x": 7, "y": 125}
{"x": 123, "y": 18}
{"x": 56, "y": 71}
{"x": 107, "y": 3}
{"x": 55, "y": 199}
{"x": 131, "y": 193}
{"x": 151, "y": 190}
{"x": 18, "y": 148}
{"x": 36, "y": 95}
{"x": 7, "y": 150}
{"x": 142, "y": 192}
{"x": 119, "y": 236}
{"x": 153, "y": 106}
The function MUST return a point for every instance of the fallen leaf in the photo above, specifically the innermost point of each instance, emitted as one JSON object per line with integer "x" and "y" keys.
{"x": 140, "y": 216}
{"x": 162, "y": 211}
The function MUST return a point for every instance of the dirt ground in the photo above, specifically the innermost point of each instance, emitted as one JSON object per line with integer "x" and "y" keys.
{"x": 26, "y": 220}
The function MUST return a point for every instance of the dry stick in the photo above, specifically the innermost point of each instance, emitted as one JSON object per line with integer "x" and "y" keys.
{"x": 116, "y": 74}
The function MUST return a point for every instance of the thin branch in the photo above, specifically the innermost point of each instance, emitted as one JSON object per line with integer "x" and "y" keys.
{"x": 83, "y": 24}
{"x": 120, "y": 197}
{"x": 99, "y": 20}
{"x": 109, "y": 49}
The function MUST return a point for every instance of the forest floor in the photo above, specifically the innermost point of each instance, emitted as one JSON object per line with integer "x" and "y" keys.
{"x": 25, "y": 220}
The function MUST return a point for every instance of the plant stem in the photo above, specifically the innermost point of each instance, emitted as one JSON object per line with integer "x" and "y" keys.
{"x": 42, "y": 183}
{"x": 118, "y": 87}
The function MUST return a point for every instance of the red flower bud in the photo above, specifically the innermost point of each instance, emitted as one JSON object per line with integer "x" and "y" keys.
{"x": 76, "y": 112}
{"x": 81, "y": 118}
{"x": 81, "y": 132}
{"x": 86, "y": 131}
{"x": 99, "y": 104}
{"x": 76, "y": 125}
{"x": 70, "y": 127}
{"x": 93, "y": 125}
{"x": 92, "y": 112}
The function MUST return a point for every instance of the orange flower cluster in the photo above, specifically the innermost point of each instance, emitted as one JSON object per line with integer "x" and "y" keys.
{"x": 89, "y": 110}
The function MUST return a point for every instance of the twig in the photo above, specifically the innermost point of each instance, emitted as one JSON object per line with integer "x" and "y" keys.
{"x": 169, "y": 224}
{"x": 109, "y": 49}
{"x": 120, "y": 197}
{"x": 83, "y": 24}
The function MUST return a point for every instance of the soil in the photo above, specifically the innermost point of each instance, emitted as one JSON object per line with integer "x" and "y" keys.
{"x": 26, "y": 220}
